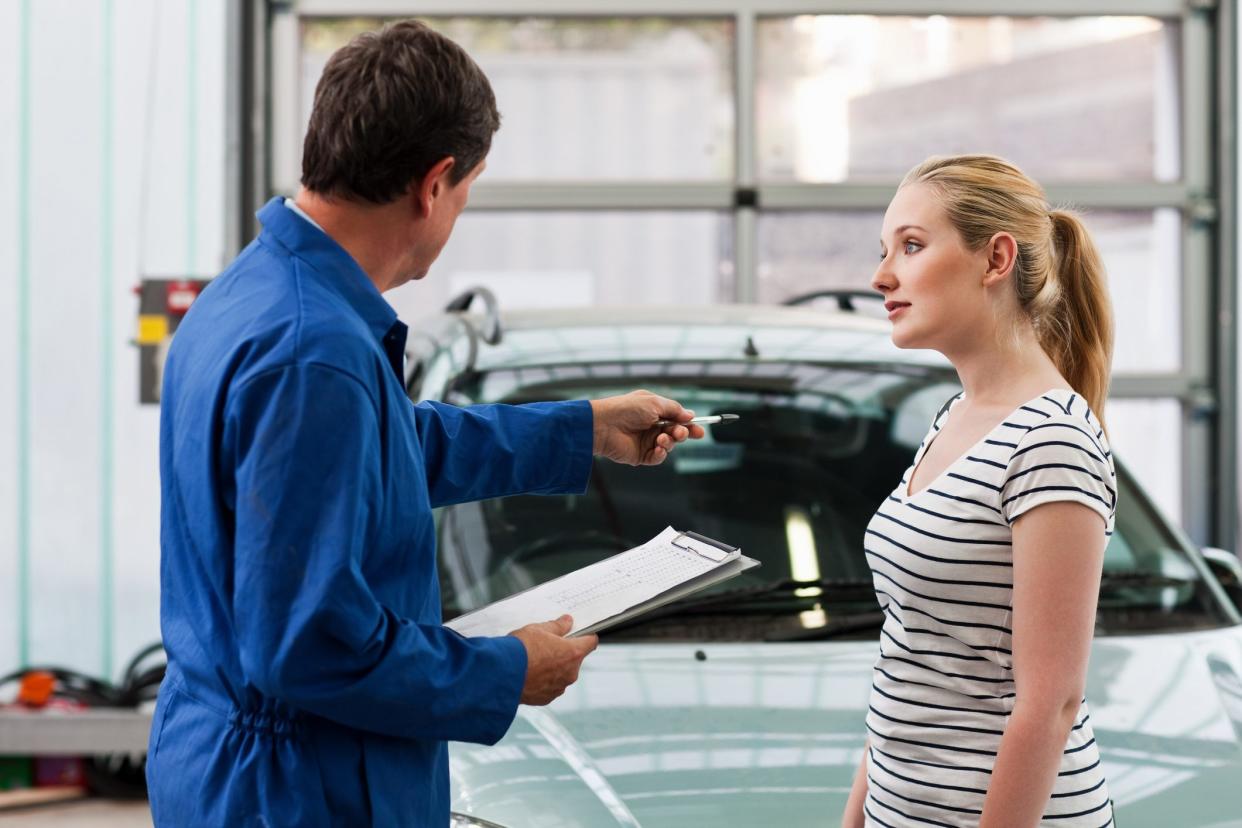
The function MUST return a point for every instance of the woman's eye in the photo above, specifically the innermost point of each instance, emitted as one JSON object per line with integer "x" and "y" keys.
{"x": 913, "y": 247}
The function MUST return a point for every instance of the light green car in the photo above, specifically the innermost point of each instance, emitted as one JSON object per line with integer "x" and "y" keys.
{"x": 747, "y": 708}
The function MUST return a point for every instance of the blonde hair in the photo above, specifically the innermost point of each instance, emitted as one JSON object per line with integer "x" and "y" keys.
{"x": 1059, "y": 277}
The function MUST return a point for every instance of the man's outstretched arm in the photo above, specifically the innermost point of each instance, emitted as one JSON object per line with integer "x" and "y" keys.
{"x": 541, "y": 448}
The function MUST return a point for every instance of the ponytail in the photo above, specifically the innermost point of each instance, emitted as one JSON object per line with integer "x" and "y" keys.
{"x": 1077, "y": 330}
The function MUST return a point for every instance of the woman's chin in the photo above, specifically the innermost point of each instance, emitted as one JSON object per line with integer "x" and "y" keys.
{"x": 903, "y": 339}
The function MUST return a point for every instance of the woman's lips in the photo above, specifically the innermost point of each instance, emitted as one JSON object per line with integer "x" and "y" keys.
{"x": 894, "y": 308}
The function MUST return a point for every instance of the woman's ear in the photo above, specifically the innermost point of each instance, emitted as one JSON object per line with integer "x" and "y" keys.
{"x": 1002, "y": 253}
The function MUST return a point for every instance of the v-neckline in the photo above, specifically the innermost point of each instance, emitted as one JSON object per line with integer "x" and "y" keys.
{"x": 906, "y": 494}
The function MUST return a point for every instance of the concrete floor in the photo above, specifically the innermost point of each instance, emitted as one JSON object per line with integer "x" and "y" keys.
{"x": 87, "y": 813}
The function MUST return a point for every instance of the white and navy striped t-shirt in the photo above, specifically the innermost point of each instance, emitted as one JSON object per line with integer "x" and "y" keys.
{"x": 942, "y": 564}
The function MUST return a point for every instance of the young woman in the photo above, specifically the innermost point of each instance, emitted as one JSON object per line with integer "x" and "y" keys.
{"x": 987, "y": 557}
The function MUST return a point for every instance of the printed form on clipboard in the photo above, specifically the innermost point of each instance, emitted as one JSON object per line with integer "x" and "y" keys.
{"x": 670, "y": 566}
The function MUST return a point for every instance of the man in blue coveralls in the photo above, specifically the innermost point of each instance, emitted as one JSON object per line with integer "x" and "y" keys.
{"x": 310, "y": 681}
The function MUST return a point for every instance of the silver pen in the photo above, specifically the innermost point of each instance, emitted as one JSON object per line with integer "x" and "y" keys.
{"x": 714, "y": 419}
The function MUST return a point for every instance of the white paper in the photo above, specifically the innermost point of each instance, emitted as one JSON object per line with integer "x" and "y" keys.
{"x": 598, "y": 591}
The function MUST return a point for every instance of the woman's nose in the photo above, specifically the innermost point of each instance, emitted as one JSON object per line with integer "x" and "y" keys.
{"x": 883, "y": 280}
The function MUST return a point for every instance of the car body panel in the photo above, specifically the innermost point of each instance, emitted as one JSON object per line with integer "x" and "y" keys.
{"x": 653, "y": 735}
{"x": 753, "y": 333}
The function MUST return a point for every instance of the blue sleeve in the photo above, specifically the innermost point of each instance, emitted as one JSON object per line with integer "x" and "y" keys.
{"x": 304, "y": 442}
{"x": 496, "y": 450}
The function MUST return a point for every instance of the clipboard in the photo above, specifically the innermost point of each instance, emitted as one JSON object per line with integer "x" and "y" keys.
{"x": 713, "y": 550}
{"x": 721, "y": 574}
{"x": 614, "y": 589}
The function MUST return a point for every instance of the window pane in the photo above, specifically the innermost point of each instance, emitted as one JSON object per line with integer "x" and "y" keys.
{"x": 565, "y": 259}
{"x": 855, "y": 97}
{"x": 800, "y": 252}
{"x": 598, "y": 99}
{"x": 1147, "y": 436}
{"x": 1142, "y": 254}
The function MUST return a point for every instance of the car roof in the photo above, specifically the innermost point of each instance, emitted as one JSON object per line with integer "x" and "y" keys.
{"x": 689, "y": 333}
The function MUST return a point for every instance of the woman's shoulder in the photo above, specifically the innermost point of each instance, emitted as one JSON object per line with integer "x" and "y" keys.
{"x": 1064, "y": 412}
{"x": 1063, "y": 455}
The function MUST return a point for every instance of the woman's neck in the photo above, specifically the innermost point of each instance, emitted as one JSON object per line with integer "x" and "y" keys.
{"x": 1008, "y": 375}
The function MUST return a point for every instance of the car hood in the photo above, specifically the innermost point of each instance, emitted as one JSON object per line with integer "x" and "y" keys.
{"x": 658, "y": 735}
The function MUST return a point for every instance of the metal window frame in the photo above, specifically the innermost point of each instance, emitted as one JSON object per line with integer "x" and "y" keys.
{"x": 1226, "y": 528}
{"x": 245, "y": 61}
{"x": 267, "y": 31}
{"x": 729, "y": 8}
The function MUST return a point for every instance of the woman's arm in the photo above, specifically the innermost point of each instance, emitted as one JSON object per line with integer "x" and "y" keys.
{"x": 853, "y": 816}
{"x": 1058, "y": 551}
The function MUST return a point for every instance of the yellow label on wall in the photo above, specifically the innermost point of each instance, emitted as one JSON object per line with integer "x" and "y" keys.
{"x": 152, "y": 328}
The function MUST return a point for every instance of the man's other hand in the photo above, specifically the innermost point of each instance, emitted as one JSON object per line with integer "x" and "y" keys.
{"x": 552, "y": 660}
{"x": 626, "y": 430}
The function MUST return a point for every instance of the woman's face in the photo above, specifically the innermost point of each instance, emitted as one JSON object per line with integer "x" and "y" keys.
{"x": 932, "y": 284}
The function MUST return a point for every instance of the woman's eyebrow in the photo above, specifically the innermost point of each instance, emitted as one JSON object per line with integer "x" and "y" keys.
{"x": 903, "y": 228}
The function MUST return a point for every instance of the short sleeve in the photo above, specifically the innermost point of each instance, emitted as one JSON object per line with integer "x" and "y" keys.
{"x": 1062, "y": 459}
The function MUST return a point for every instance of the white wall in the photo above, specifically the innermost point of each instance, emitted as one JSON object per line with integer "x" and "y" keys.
{"x": 8, "y": 324}
{"x": 124, "y": 159}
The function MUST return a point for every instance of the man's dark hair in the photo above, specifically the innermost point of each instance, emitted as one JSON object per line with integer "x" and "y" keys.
{"x": 390, "y": 105}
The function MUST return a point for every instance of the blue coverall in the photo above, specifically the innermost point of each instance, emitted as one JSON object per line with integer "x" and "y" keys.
{"x": 310, "y": 682}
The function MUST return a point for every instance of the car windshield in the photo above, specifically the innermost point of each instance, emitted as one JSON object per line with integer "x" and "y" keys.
{"x": 793, "y": 483}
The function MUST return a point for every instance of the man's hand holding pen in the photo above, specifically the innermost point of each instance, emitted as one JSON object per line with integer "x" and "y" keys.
{"x": 628, "y": 428}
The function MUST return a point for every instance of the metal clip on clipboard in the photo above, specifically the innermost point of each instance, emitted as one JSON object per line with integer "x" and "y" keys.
{"x": 705, "y": 547}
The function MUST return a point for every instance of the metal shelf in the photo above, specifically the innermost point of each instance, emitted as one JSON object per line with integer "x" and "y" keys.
{"x": 73, "y": 733}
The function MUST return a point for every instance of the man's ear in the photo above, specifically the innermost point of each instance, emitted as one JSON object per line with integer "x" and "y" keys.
{"x": 432, "y": 186}
{"x": 1002, "y": 253}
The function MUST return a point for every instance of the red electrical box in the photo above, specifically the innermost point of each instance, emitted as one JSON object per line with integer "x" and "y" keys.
{"x": 179, "y": 295}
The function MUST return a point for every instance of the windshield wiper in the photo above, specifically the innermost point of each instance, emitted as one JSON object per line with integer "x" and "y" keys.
{"x": 847, "y": 625}
{"x": 832, "y": 586}
{"x": 731, "y": 600}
